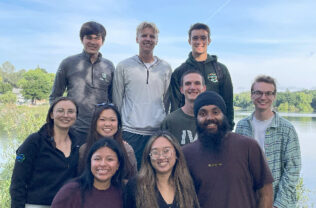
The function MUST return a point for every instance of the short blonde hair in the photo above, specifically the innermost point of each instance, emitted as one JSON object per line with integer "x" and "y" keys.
{"x": 144, "y": 25}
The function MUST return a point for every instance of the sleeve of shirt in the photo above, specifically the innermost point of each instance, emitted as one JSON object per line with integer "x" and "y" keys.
{"x": 22, "y": 171}
{"x": 258, "y": 165}
{"x": 291, "y": 161}
{"x": 60, "y": 84}
{"x": 226, "y": 89}
{"x": 166, "y": 100}
{"x": 118, "y": 86}
{"x": 110, "y": 90}
{"x": 174, "y": 93}
{"x": 131, "y": 157}
{"x": 164, "y": 125}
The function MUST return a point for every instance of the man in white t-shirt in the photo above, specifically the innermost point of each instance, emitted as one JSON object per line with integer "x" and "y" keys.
{"x": 277, "y": 137}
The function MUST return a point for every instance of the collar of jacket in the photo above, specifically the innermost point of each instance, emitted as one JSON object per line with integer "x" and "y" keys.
{"x": 209, "y": 59}
{"x": 87, "y": 56}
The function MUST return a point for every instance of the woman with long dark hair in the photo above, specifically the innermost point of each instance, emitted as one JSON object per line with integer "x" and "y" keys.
{"x": 106, "y": 122}
{"x": 163, "y": 180}
{"x": 47, "y": 158}
{"x": 100, "y": 184}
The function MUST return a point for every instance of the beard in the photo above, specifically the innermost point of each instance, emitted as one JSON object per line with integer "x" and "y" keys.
{"x": 212, "y": 140}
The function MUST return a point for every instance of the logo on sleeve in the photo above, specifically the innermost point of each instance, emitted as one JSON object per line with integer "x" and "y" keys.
{"x": 103, "y": 76}
{"x": 20, "y": 158}
{"x": 212, "y": 77}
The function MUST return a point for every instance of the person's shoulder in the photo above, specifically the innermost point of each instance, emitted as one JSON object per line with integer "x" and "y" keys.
{"x": 128, "y": 61}
{"x": 181, "y": 69}
{"x": 72, "y": 185}
{"x": 243, "y": 121}
{"x": 37, "y": 137}
{"x": 173, "y": 115}
{"x": 283, "y": 122}
{"x": 107, "y": 62}
{"x": 72, "y": 57}
{"x": 191, "y": 147}
{"x": 240, "y": 139}
{"x": 163, "y": 63}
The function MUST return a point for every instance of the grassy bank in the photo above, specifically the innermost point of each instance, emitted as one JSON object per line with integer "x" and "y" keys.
{"x": 16, "y": 123}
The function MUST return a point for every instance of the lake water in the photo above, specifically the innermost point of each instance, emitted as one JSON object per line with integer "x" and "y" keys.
{"x": 305, "y": 125}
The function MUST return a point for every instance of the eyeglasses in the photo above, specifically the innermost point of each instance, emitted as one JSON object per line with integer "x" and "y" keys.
{"x": 259, "y": 93}
{"x": 166, "y": 153}
{"x": 61, "y": 111}
{"x": 104, "y": 104}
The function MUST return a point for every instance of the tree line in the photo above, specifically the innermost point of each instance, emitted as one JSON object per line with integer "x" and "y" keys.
{"x": 36, "y": 84}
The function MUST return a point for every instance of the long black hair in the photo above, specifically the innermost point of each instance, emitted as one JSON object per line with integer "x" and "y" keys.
{"x": 86, "y": 179}
{"x": 94, "y": 136}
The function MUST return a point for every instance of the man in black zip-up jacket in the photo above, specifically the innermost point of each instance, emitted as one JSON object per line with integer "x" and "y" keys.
{"x": 216, "y": 75}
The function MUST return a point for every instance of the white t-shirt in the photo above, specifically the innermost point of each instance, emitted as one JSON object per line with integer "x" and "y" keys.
{"x": 260, "y": 128}
{"x": 150, "y": 64}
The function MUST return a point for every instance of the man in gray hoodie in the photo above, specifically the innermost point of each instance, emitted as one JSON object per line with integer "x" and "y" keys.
{"x": 139, "y": 86}
{"x": 87, "y": 77}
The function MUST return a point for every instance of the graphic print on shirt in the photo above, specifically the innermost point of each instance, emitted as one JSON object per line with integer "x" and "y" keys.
{"x": 187, "y": 136}
{"x": 212, "y": 77}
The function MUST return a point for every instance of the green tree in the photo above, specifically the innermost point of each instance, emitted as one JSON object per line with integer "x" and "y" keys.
{"x": 8, "y": 98}
{"x": 36, "y": 84}
{"x": 7, "y": 71}
{"x": 5, "y": 87}
{"x": 243, "y": 101}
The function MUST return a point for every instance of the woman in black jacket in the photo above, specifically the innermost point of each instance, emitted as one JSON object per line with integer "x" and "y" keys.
{"x": 47, "y": 158}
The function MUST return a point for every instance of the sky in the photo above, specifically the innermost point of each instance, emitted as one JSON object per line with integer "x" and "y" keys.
{"x": 276, "y": 38}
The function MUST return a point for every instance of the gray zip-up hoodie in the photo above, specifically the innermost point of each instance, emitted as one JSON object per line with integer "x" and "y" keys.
{"x": 139, "y": 91}
{"x": 86, "y": 83}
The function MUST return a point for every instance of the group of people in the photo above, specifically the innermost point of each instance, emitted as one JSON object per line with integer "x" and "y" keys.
{"x": 141, "y": 135}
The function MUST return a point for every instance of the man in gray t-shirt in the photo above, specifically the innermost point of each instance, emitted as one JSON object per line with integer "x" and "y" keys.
{"x": 181, "y": 123}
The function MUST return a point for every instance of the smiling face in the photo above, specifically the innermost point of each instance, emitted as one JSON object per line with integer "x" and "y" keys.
{"x": 147, "y": 40}
{"x": 263, "y": 102}
{"x": 104, "y": 164}
{"x": 162, "y": 156}
{"x": 92, "y": 44}
{"x": 210, "y": 118}
{"x": 64, "y": 114}
{"x": 107, "y": 123}
{"x": 199, "y": 41}
{"x": 192, "y": 86}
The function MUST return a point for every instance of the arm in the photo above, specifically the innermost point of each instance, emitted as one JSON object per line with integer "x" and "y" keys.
{"x": 166, "y": 95}
{"x": 226, "y": 91}
{"x": 118, "y": 86}
{"x": 60, "y": 84}
{"x": 291, "y": 161}
{"x": 265, "y": 195}
{"x": 174, "y": 94}
{"x": 22, "y": 172}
